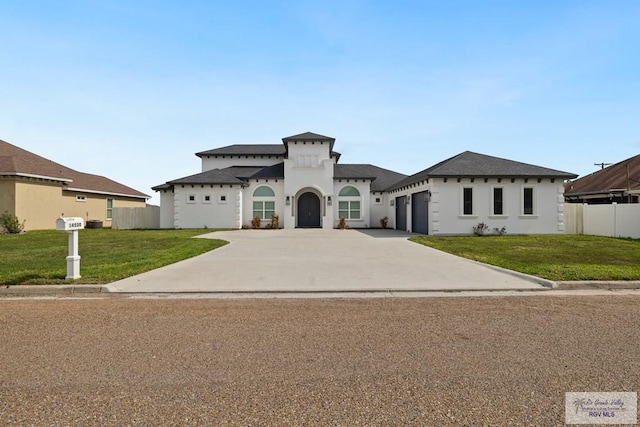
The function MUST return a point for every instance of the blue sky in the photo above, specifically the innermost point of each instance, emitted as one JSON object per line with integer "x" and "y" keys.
{"x": 132, "y": 89}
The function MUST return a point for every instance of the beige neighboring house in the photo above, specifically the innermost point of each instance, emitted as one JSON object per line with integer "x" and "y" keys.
{"x": 39, "y": 190}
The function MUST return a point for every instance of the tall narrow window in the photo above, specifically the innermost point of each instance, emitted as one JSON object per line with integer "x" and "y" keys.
{"x": 467, "y": 201}
{"x": 264, "y": 204}
{"x": 497, "y": 201}
{"x": 349, "y": 203}
{"x": 109, "y": 208}
{"x": 527, "y": 199}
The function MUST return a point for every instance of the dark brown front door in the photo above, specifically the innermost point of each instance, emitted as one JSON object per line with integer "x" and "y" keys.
{"x": 308, "y": 210}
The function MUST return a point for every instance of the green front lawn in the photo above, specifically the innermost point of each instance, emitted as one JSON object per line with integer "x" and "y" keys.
{"x": 558, "y": 258}
{"x": 39, "y": 257}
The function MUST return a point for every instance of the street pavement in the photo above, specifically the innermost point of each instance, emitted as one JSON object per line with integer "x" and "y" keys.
{"x": 315, "y": 260}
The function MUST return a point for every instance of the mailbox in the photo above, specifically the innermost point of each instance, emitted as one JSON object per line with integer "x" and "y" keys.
{"x": 69, "y": 223}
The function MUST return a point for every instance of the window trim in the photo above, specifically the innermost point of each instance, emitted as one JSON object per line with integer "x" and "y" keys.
{"x": 472, "y": 201}
{"x": 350, "y": 200}
{"x": 534, "y": 202}
{"x": 109, "y": 213}
{"x": 502, "y": 214}
{"x": 191, "y": 199}
{"x": 263, "y": 211}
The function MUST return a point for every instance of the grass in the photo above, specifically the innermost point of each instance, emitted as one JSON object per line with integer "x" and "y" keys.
{"x": 558, "y": 258}
{"x": 39, "y": 257}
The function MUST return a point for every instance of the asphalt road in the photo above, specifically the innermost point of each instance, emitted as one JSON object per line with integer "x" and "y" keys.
{"x": 491, "y": 361}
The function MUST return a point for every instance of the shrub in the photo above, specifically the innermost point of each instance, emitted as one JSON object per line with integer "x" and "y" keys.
{"x": 482, "y": 229}
{"x": 384, "y": 222}
{"x": 275, "y": 221}
{"x": 342, "y": 224}
{"x": 10, "y": 224}
{"x": 255, "y": 222}
{"x": 500, "y": 231}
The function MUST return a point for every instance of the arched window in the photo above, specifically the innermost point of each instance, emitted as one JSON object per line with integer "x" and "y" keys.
{"x": 264, "y": 204}
{"x": 349, "y": 203}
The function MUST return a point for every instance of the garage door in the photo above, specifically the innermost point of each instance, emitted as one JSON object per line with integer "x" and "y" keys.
{"x": 420, "y": 212}
{"x": 401, "y": 213}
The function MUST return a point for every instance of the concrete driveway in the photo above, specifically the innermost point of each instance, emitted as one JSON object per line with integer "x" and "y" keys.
{"x": 315, "y": 260}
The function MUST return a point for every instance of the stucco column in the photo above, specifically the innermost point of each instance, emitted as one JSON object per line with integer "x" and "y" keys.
{"x": 239, "y": 209}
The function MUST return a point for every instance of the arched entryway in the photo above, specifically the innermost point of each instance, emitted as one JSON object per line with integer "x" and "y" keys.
{"x": 308, "y": 210}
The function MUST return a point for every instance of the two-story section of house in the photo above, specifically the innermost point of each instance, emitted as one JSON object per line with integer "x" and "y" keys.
{"x": 299, "y": 181}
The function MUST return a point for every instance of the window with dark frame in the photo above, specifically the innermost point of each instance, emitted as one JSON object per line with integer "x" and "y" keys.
{"x": 467, "y": 201}
{"x": 527, "y": 208}
{"x": 497, "y": 201}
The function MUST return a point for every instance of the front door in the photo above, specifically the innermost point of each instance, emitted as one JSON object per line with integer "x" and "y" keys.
{"x": 308, "y": 210}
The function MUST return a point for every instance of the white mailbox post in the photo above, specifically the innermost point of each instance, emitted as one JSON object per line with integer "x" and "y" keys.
{"x": 71, "y": 225}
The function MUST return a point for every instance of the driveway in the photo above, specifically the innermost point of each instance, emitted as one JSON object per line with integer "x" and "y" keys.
{"x": 315, "y": 260}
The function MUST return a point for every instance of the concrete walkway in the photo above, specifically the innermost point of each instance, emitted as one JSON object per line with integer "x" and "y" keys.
{"x": 314, "y": 260}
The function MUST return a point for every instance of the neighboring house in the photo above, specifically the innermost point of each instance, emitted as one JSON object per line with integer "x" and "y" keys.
{"x": 619, "y": 183}
{"x": 302, "y": 183}
{"x": 38, "y": 191}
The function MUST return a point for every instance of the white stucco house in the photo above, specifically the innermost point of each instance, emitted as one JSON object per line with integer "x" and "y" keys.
{"x": 302, "y": 183}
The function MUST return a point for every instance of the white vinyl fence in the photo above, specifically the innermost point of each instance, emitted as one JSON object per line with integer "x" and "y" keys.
{"x": 136, "y": 218}
{"x": 614, "y": 220}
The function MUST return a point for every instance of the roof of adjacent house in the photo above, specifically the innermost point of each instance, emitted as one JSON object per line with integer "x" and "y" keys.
{"x": 475, "y": 165}
{"x": 382, "y": 178}
{"x": 609, "y": 179}
{"x": 19, "y": 162}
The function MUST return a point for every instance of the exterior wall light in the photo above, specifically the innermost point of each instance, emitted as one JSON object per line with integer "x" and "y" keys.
{"x": 288, "y": 201}
{"x": 329, "y": 200}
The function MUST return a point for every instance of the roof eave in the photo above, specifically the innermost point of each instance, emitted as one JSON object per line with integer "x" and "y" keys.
{"x": 108, "y": 193}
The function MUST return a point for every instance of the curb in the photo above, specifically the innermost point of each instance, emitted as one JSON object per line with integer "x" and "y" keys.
{"x": 39, "y": 290}
{"x": 595, "y": 284}
{"x": 52, "y": 289}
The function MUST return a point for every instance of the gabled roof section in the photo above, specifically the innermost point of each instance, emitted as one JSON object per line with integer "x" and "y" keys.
{"x": 609, "y": 179}
{"x": 233, "y": 175}
{"x": 474, "y": 165}
{"x": 310, "y": 136}
{"x": 382, "y": 178}
{"x": 275, "y": 171}
{"x": 256, "y": 172}
{"x": 246, "y": 150}
{"x": 18, "y": 162}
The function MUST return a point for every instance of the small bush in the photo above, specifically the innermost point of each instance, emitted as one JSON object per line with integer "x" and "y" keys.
{"x": 255, "y": 222}
{"x": 481, "y": 229}
{"x": 500, "y": 231}
{"x": 384, "y": 222}
{"x": 9, "y": 224}
{"x": 275, "y": 221}
{"x": 342, "y": 224}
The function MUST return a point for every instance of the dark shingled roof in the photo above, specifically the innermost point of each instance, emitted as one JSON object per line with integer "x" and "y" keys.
{"x": 308, "y": 136}
{"x": 275, "y": 171}
{"x": 613, "y": 177}
{"x": 382, "y": 178}
{"x": 16, "y": 161}
{"x": 214, "y": 176}
{"x": 246, "y": 150}
{"x": 474, "y": 165}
